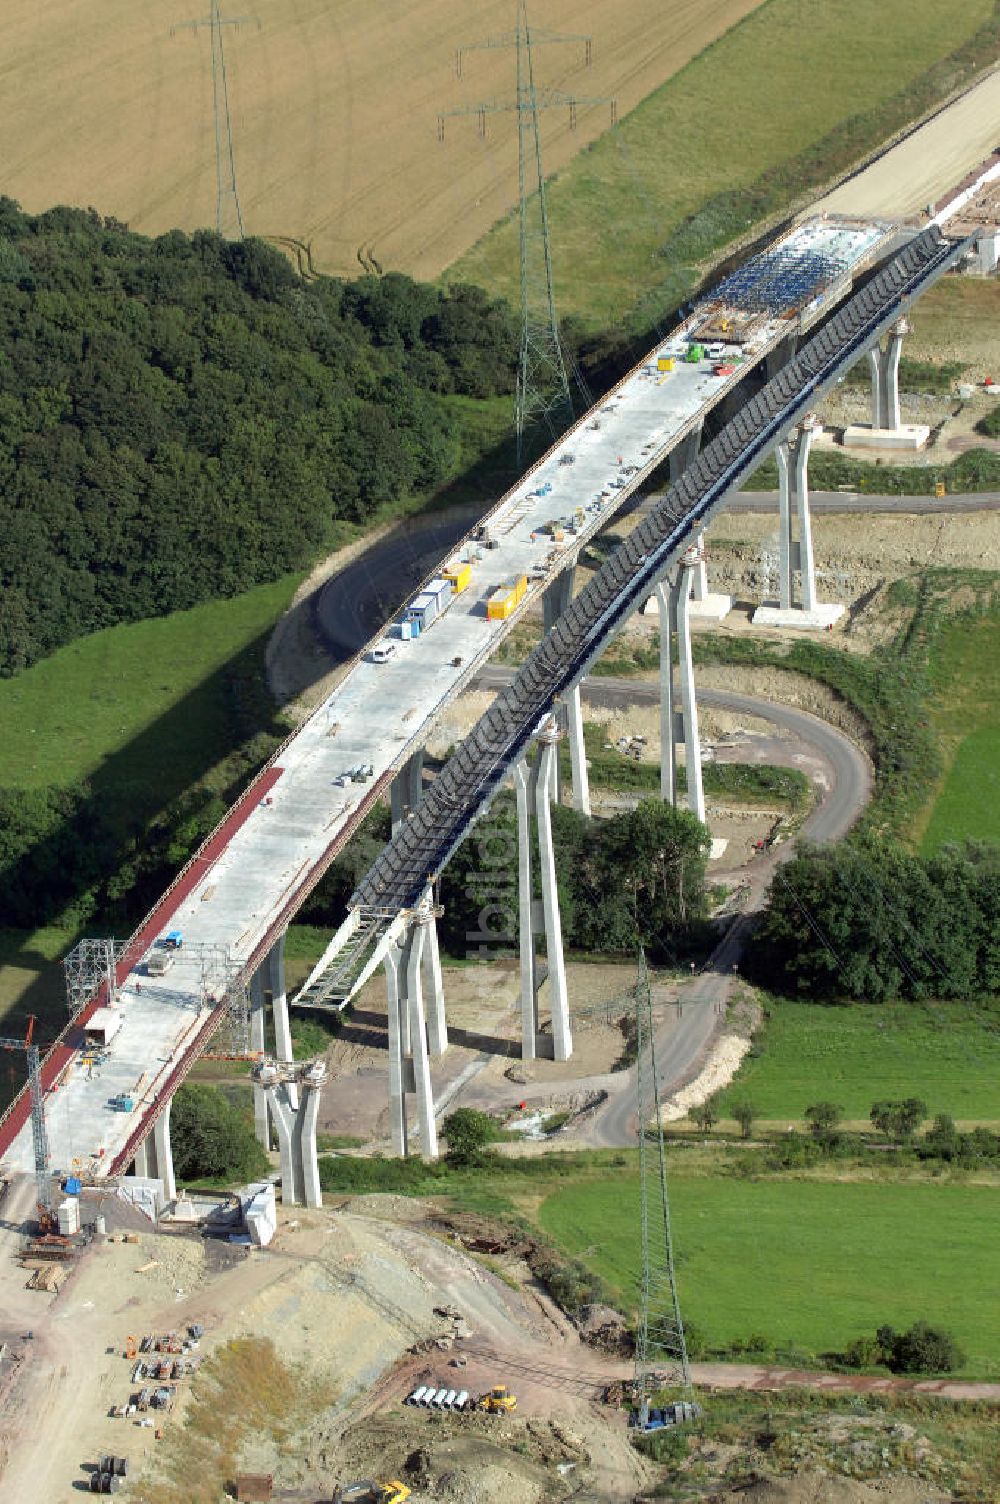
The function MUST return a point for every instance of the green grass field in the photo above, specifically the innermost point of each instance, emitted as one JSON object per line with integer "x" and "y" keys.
{"x": 947, "y": 1054}
{"x": 92, "y": 701}
{"x": 965, "y": 710}
{"x": 141, "y": 712}
{"x": 806, "y": 1264}
{"x": 812, "y": 65}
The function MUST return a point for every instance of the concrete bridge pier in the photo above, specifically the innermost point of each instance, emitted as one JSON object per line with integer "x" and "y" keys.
{"x": 569, "y": 713}
{"x": 296, "y": 1126}
{"x": 704, "y": 602}
{"x": 279, "y": 1009}
{"x": 673, "y": 600}
{"x": 154, "y": 1158}
{"x": 411, "y": 1042}
{"x": 795, "y": 556}
{"x": 884, "y": 361}
{"x": 533, "y": 786}
{"x": 407, "y": 788}
{"x": 258, "y": 1001}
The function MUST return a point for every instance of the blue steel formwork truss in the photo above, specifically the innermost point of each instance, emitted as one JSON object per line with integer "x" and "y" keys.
{"x": 778, "y": 281}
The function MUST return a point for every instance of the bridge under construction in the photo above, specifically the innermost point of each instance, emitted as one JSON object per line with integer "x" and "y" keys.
{"x": 754, "y": 356}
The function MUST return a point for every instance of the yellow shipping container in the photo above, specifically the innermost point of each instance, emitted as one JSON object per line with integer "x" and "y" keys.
{"x": 665, "y": 363}
{"x": 460, "y": 575}
{"x": 510, "y": 594}
{"x": 499, "y": 607}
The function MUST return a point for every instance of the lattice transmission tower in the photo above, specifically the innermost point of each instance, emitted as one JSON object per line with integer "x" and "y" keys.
{"x": 228, "y": 214}
{"x": 660, "y": 1351}
{"x": 543, "y": 388}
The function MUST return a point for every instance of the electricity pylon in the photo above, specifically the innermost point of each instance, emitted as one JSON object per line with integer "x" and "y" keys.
{"x": 660, "y": 1349}
{"x": 228, "y": 214}
{"x": 543, "y": 390}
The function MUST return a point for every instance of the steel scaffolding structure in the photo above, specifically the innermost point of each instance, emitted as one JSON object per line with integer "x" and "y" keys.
{"x": 88, "y": 966}
{"x": 778, "y": 281}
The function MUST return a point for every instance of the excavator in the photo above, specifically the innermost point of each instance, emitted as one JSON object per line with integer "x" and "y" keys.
{"x": 368, "y": 1491}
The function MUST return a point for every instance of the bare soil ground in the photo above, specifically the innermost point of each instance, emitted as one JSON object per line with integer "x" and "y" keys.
{"x": 927, "y": 163}
{"x": 347, "y": 1298}
{"x": 856, "y": 556}
{"x": 334, "y": 112}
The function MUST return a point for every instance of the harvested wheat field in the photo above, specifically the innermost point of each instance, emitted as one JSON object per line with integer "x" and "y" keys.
{"x": 334, "y": 107}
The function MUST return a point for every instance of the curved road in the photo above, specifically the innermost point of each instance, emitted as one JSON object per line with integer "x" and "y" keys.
{"x": 685, "y": 1038}
{"x": 351, "y": 606}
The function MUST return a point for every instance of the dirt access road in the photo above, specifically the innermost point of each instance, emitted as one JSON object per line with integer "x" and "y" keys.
{"x": 334, "y": 112}
{"x": 928, "y": 161}
{"x": 688, "y": 1036}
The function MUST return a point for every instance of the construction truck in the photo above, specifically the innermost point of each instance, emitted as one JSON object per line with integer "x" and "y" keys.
{"x": 498, "y": 1401}
{"x": 369, "y": 1491}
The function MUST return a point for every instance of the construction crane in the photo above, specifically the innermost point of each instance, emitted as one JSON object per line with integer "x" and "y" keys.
{"x": 40, "y": 1138}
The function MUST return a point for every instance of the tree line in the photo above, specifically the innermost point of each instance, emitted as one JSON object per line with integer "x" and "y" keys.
{"x": 184, "y": 417}
{"x": 636, "y": 878}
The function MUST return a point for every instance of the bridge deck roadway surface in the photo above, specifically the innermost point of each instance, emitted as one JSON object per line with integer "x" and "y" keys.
{"x": 242, "y": 894}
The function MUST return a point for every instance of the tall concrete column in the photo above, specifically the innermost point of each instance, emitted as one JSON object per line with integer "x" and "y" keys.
{"x": 532, "y": 785}
{"x": 884, "y": 363}
{"x": 689, "y": 704}
{"x": 279, "y": 1009}
{"x": 555, "y": 599}
{"x": 409, "y": 1047}
{"x": 795, "y": 556}
{"x": 437, "y": 1024}
{"x": 257, "y": 1044}
{"x": 398, "y": 1052}
{"x": 406, "y": 788}
{"x": 311, "y": 1082}
{"x": 668, "y": 715}
{"x": 781, "y": 455}
{"x": 577, "y": 751}
{"x": 707, "y": 603}
{"x": 807, "y": 566}
{"x": 526, "y": 914}
{"x": 562, "y": 1038}
{"x": 674, "y": 603}
{"x": 296, "y": 1127}
{"x": 142, "y": 1166}
{"x": 419, "y": 1053}
{"x": 163, "y": 1153}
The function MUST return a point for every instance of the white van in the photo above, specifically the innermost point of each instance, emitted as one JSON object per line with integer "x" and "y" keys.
{"x": 382, "y": 652}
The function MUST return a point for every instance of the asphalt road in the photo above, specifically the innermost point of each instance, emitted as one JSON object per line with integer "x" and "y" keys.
{"x": 353, "y": 605}
{"x": 686, "y": 1036}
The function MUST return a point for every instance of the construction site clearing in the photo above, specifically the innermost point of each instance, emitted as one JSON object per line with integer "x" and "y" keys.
{"x": 296, "y": 1363}
{"x": 348, "y": 1312}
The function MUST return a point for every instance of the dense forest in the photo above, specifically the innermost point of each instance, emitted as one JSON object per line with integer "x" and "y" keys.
{"x": 184, "y": 417}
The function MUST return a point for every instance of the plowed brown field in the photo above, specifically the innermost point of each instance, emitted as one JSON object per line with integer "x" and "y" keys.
{"x": 334, "y": 107}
